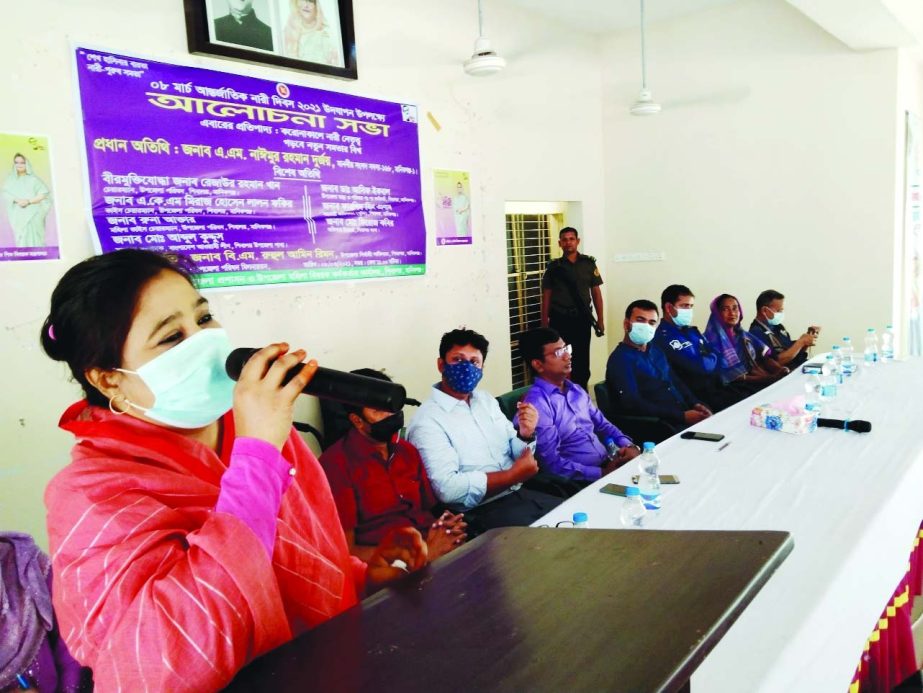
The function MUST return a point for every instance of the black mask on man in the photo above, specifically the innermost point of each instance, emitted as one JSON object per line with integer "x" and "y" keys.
{"x": 384, "y": 430}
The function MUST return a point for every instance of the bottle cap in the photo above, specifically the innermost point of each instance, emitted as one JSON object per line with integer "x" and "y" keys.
{"x": 580, "y": 517}
{"x": 632, "y": 491}
{"x": 829, "y": 357}
{"x": 648, "y": 446}
{"x": 889, "y": 327}
{"x": 835, "y": 347}
{"x": 871, "y": 329}
{"x": 847, "y": 339}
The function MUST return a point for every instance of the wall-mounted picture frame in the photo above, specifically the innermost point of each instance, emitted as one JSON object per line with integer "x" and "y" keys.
{"x": 308, "y": 35}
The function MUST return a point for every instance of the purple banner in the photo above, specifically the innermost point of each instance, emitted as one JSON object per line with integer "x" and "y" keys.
{"x": 258, "y": 182}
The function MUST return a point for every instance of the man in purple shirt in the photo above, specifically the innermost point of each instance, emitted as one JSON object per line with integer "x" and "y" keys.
{"x": 571, "y": 430}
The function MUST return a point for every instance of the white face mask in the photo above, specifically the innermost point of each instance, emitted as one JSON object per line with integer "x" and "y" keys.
{"x": 190, "y": 386}
{"x": 641, "y": 333}
{"x": 683, "y": 317}
{"x": 776, "y": 319}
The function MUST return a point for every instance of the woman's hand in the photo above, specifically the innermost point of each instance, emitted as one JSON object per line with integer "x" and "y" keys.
{"x": 404, "y": 544}
{"x": 262, "y": 405}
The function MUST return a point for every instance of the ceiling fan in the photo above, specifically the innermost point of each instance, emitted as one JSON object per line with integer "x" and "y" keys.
{"x": 645, "y": 105}
{"x": 485, "y": 60}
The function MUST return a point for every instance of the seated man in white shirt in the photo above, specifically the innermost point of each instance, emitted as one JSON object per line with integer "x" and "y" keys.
{"x": 475, "y": 459}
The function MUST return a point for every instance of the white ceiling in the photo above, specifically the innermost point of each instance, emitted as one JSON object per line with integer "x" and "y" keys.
{"x": 603, "y": 16}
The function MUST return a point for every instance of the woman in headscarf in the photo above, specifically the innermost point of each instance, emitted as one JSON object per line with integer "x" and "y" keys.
{"x": 32, "y": 654}
{"x": 742, "y": 357}
{"x": 27, "y": 204}
{"x": 308, "y": 35}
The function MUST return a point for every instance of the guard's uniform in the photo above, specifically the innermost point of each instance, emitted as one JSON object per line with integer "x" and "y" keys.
{"x": 570, "y": 318}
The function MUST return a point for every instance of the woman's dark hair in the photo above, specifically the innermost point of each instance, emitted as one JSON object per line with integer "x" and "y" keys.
{"x": 93, "y": 306}
{"x": 722, "y": 298}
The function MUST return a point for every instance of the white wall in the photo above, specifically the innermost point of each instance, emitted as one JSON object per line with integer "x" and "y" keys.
{"x": 909, "y": 99}
{"x": 532, "y": 132}
{"x": 771, "y": 166}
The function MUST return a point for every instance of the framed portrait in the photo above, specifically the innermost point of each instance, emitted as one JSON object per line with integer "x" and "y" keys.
{"x": 308, "y": 35}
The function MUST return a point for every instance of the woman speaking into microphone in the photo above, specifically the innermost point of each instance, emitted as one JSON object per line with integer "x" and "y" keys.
{"x": 193, "y": 529}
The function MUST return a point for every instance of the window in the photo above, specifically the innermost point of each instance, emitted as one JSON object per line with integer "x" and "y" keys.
{"x": 527, "y": 252}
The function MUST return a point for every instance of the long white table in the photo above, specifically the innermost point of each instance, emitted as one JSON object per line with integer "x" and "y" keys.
{"x": 853, "y": 503}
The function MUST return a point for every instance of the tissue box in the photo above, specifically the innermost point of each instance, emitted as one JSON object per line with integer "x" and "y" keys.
{"x": 777, "y": 418}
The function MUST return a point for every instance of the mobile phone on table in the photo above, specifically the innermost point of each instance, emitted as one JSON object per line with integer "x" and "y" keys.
{"x": 664, "y": 479}
{"x": 614, "y": 489}
{"x": 701, "y": 435}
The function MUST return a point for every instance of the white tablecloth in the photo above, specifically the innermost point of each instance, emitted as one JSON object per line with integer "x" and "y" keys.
{"x": 853, "y": 503}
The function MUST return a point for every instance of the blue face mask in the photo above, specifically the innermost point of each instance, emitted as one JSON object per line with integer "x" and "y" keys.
{"x": 641, "y": 333}
{"x": 462, "y": 377}
{"x": 190, "y": 386}
{"x": 683, "y": 317}
{"x": 776, "y": 319}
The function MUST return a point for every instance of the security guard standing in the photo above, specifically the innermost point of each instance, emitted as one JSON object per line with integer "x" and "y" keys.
{"x": 567, "y": 287}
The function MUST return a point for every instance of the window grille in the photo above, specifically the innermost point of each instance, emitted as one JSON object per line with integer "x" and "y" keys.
{"x": 527, "y": 252}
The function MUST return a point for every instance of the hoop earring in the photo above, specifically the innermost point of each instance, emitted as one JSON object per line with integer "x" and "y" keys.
{"x": 112, "y": 407}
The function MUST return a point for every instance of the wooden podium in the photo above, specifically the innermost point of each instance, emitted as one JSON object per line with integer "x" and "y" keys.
{"x": 534, "y": 609}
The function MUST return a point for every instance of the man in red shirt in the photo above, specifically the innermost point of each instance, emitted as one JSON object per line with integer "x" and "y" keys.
{"x": 379, "y": 483}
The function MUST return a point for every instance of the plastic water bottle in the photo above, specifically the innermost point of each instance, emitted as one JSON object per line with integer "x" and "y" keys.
{"x": 871, "y": 347}
{"x": 633, "y": 510}
{"x": 838, "y": 360}
{"x": 581, "y": 520}
{"x": 887, "y": 344}
{"x": 812, "y": 390}
{"x": 612, "y": 450}
{"x": 649, "y": 481}
{"x": 847, "y": 354}
{"x": 828, "y": 379}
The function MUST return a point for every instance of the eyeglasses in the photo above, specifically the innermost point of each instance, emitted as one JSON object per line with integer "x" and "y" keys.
{"x": 560, "y": 351}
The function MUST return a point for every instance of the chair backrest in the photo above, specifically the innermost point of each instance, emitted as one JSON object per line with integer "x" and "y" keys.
{"x": 602, "y": 399}
{"x": 508, "y": 400}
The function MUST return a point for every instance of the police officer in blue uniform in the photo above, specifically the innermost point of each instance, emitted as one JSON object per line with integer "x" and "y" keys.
{"x": 568, "y": 286}
{"x": 689, "y": 355}
{"x": 767, "y": 325}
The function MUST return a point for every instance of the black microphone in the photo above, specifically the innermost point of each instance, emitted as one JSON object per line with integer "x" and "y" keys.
{"x": 857, "y": 426}
{"x": 347, "y": 388}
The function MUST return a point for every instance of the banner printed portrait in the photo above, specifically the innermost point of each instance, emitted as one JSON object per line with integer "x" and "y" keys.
{"x": 28, "y": 227}
{"x": 258, "y": 182}
{"x": 453, "y": 207}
